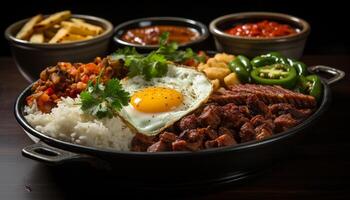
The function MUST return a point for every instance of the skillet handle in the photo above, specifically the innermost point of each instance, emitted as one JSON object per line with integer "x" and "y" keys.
{"x": 337, "y": 74}
{"x": 50, "y": 155}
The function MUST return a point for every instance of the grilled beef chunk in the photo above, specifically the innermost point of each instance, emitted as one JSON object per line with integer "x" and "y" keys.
{"x": 210, "y": 133}
{"x": 225, "y": 140}
{"x": 141, "y": 142}
{"x": 240, "y": 114}
{"x": 247, "y": 132}
{"x": 263, "y": 131}
{"x": 167, "y": 137}
{"x": 210, "y": 116}
{"x": 232, "y": 117}
{"x": 180, "y": 145}
{"x": 158, "y": 146}
{"x": 256, "y": 106}
{"x": 188, "y": 122}
{"x": 284, "y": 122}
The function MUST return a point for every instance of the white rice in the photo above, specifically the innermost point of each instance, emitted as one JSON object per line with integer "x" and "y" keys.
{"x": 68, "y": 122}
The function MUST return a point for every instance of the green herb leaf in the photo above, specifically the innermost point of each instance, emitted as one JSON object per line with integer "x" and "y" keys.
{"x": 122, "y": 54}
{"x": 103, "y": 100}
{"x": 155, "y": 63}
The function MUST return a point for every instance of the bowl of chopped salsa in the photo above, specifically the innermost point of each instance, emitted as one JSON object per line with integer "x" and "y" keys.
{"x": 145, "y": 33}
{"x": 255, "y": 33}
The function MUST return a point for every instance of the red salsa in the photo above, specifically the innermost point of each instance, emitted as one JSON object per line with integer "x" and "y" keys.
{"x": 263, "y": 29}
{"x": 150, "y": 35}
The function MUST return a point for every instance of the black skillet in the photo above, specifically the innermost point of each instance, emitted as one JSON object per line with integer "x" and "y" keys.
{"x": 176, "y": 169}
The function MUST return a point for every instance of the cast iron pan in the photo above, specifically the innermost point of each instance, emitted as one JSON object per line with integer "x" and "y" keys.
{"x": 176, "y": 169}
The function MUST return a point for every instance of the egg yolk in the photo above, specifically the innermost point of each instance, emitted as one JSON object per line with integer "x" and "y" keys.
{"x": 156, "y": 99}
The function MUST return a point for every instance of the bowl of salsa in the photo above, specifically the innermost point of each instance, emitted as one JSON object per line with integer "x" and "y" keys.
{"x": 144, "y": 33}
{"x": 256, "y": 33}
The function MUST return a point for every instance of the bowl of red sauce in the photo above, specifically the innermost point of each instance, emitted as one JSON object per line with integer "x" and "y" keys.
{"x": 144, "y": 33}
{"x": 256, "y": 33}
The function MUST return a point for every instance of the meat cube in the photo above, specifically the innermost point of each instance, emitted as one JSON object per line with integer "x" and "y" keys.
{"x": 232, "y": 117}
{"x": 247, "y": 132}
{"x": 225, "y": 140}
{"x": 284, "y": 122}
{"x": 210, "y": 116}
{"x": 257, "y": 120}
{"x": 158, "y": 146}
{"x": 245, "y": 111}
{"x": 167, "y": 137}
{"x": 182, "y": 145}
{"x": 179, "y": 145}
{"x": 193, "y": 135}
{"x": 141, "y": 142}
{"x": 188, "y": 122}
{"x": 263, "y": 131}
{"x": 256, "y": 106}
{"x": 210, "y": 133}
{"x": 211, "y": 144}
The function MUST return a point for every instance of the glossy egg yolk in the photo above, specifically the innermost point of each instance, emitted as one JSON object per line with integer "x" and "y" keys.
{"x": 156, "y": 99}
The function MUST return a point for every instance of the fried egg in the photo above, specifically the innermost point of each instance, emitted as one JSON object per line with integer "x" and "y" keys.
{"x": 160, "y": 102}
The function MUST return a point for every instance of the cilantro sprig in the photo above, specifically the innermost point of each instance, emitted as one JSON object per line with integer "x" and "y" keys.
{"x": 171, "y": 52}
{"x": 155, "y": 64}
{"x": 103, "y": 100}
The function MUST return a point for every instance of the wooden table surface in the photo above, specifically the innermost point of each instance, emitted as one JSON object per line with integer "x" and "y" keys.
{"x": 318, "y": 167}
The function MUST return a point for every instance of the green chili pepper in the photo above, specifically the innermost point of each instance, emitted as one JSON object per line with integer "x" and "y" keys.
{"x": 279, "y": 58}
{"x": 300, "y": 67}
{"x": 241, "y": 71}
{"x": 273, "y": 54}
{"x": 310, "y": 85}
{"x": 245, "y": 62}
{"x": 276, "y": 57}
{"x": 276, "y": 74}
{"x": 261, "y": 61}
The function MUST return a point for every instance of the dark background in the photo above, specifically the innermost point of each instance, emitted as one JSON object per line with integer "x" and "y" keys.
{"x": 329, "y": 26}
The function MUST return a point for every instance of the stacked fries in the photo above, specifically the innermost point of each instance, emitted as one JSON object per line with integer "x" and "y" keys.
{"x": 59, "y": 27}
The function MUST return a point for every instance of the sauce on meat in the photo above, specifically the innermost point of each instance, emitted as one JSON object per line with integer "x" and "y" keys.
{"x": 150, "y": 35}
{"x": 263, "y": 29}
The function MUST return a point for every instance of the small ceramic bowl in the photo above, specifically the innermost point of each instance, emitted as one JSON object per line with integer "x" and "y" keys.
{"x": 32, "y": 58}
{"x": 152, "y": 21}
{"x": 291, "y": 45}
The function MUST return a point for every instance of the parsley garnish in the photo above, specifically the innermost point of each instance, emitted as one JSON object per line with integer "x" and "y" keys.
{"x": 171, "y": 52}
{"x": 103, "y": 100}
{"x": 150, "y": 66}
{"x": 155, "y": 63}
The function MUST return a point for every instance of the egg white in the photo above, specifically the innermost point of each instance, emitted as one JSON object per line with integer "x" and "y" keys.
{"x": 193, "y": 85}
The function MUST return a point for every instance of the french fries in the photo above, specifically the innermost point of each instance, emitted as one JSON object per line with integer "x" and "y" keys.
{"x": 52, "y": 20}
{"x": 37, "y": 38}
{"x": 81, "y": 28}
{"x": 59, "y": 36}
{"x": 59, "y": 27}
{"x": 27, "y": 29}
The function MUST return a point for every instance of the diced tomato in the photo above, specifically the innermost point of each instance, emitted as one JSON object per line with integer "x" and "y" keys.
{"x": 190, "y": 62}
{"x": 85, "y": 79}
{"x": 44, "y": 97}
{"x": 92, "y": 68}
{"x": 49, "y": 91}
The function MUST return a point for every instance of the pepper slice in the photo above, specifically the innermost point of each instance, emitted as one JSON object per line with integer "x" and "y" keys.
{"x": 242, "y": 73}
{"x": 300, "y": 67}
{"x": 279, "y": 58}
{"x": 310, "y": 85}
{"x": 276, "y": 74}
{"x": 276, "y": 57}
{"x": 245, "y": 62}
{"x": 261, "y": 61}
